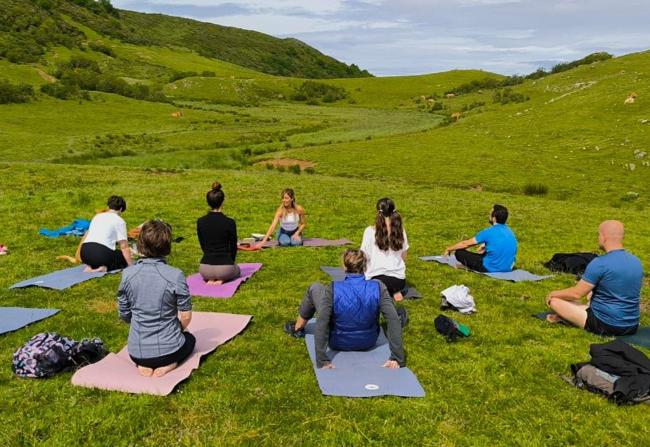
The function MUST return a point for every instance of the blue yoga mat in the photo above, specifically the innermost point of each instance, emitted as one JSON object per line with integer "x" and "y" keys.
{"x": 514, "y": 276}
{"x": 360, "y": 373}
{"x": 12, "y": 318}
{"x": 337, "y": 274}
{"x": 641, "y": 338}
{"x": 61, "y": 279}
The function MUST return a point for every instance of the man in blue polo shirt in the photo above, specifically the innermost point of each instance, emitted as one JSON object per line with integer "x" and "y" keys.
{"x": 611, "y": 283}
{"x": 497, "y": 246}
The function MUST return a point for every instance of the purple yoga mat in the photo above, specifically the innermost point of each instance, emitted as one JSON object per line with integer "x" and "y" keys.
{"x": 198, "y": 287}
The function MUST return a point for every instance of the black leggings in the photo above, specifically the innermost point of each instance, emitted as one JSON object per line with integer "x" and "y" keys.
{"x": 473, "y": 261}
{"x": 96, "y": 255}
{"x": 175, "y": 357}
{"x": 393, "y": 284}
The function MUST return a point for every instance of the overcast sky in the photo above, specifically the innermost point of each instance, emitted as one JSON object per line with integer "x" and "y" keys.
{"x": 396, "y": 37}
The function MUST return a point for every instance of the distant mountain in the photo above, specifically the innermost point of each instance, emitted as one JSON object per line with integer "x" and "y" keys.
{"x": 29, "y": 27}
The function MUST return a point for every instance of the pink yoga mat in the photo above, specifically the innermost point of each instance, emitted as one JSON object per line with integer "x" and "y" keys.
{"x": 116, "y": 372}
{"x": 198, "y": 287}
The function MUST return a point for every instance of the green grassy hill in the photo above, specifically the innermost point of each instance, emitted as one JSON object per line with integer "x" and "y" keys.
{"x": 566, "y": 157}
{"x": 29, "y": 27}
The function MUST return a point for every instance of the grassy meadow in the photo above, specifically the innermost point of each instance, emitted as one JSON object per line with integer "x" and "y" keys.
{"x": 560, "y": 161}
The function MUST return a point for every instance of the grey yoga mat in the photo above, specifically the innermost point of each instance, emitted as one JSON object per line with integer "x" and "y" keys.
{"x": 360, "y": 373}
{"x": 61, "y": 279}
{"x": 337, "y": 274}
{"x": 13, "y": 318}
{"x": 514, "y": 276}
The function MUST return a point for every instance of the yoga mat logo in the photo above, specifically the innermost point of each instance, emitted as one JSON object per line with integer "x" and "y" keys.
{"x": 371, "y": 387}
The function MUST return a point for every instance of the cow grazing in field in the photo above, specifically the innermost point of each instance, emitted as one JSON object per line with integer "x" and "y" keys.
{"x": 450, "y": 95}
{"x": 178, "y": 114}
{"x": 455, "y": 116}
{"x": 631, "y": 98}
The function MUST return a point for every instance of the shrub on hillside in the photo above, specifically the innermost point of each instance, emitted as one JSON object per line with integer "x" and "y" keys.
{"x": 590, "y": 59}
{"x": 64, "y": 91}
{"x": 294, "y": 169}
{"x": 101, "y": 48}
{"x": 508, "y": 95}
{"x": 485, "y": 84}
{"x": 177, "y": 75}
{"x": 313, "y": 91}
{"x": 208, "y": 74}
{"x": 535, "y": 189}
{"x": 10, "y": 93}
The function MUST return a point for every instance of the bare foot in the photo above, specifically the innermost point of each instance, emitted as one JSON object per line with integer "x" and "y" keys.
{"x": 214, "y": 282}
{"x": 554, "y": 318}
{"x": 144, "y": 371}
{"x": 398, "y": 296}
{"x": 101, "y": 269}
{"x": 159, "y": 372}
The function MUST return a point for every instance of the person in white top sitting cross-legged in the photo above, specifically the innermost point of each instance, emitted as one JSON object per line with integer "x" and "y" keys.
{"x": 385, "y": 246}
{"x": 106, "y": 229}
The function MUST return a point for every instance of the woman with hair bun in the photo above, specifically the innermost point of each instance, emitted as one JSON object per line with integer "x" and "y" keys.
{"x": 385, "y": 246}
{"x": 218, "y": 238}
{"x": 291, "y": 218}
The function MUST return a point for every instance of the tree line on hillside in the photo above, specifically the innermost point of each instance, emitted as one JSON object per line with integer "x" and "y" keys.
{"x": 509, "y": 81}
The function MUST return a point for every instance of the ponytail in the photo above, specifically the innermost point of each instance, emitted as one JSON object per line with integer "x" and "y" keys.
{"x": 385, "y": 241}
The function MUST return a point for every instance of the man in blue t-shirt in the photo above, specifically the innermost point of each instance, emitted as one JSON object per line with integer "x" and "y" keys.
{"x": 612, "y": 284}
{"x": 497, "y": 246}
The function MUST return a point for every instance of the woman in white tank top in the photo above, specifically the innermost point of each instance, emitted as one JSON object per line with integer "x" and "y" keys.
{"x": 291, "y": 218}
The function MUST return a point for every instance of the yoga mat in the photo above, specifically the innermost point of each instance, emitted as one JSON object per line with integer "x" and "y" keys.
{"x": 514, "y": 276}
{"x": 61, "y": 279}
{"x": 12, "y": 318}
{"x": 116, "y": 372}
{"x": 307, "y": 242}
{"x": 641, "y": 338}
{"x": 337, "y": 274}
{"x": 198, "y": 287}
{"x": 360, "y": 373}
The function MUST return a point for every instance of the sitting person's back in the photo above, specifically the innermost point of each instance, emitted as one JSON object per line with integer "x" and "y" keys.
{"x": 617, "y": 277}
{"x": 355, "y": 313}
{"x": 348, "y": 314}
{"x": 154, "y": 299}
{"x": 500, "y": 247}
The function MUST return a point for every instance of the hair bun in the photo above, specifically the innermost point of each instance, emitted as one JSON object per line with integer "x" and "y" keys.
{"x": 216, "y": 186}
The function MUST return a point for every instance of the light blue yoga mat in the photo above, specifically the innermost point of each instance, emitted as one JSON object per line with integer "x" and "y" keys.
{"x": 337, "y": 274}
{"x": 61, "y": 279}
{"x": 360, "y": 373}
{"x": 514, "y": 276}
{"x": 12, "y": 318}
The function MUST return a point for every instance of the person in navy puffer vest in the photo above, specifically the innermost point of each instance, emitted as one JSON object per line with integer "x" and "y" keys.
{"x": 348, "y": 314}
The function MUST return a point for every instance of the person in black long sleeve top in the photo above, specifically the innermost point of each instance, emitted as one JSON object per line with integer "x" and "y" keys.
{"x": 218, "y": 238}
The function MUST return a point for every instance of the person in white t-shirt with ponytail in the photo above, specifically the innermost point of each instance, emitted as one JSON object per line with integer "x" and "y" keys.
{"x": 385, "y": 246}
{"x": 107, "y": 229}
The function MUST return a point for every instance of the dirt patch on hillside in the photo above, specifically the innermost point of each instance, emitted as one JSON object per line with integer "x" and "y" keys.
{"x": 47, "y": 77}
{"x": 286, "y": 162}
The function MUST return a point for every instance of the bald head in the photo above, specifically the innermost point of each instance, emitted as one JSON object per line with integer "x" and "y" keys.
{"x": 610, "y": 235}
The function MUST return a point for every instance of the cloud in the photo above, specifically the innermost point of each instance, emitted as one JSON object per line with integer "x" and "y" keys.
{"x": 419, "y": 36}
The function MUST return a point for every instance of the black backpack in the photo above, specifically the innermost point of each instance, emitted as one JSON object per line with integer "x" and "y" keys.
{"x": 450, "y": 329}
{"x": 574, "y": 263}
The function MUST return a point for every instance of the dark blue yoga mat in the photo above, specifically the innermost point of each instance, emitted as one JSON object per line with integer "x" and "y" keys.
{"x": 360, "y": 373}
{"x": 337, "y": 274}
{"x": 12, "y": 318}
{"x": 61, "y": 279}
{"x": 641, "y": 338}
